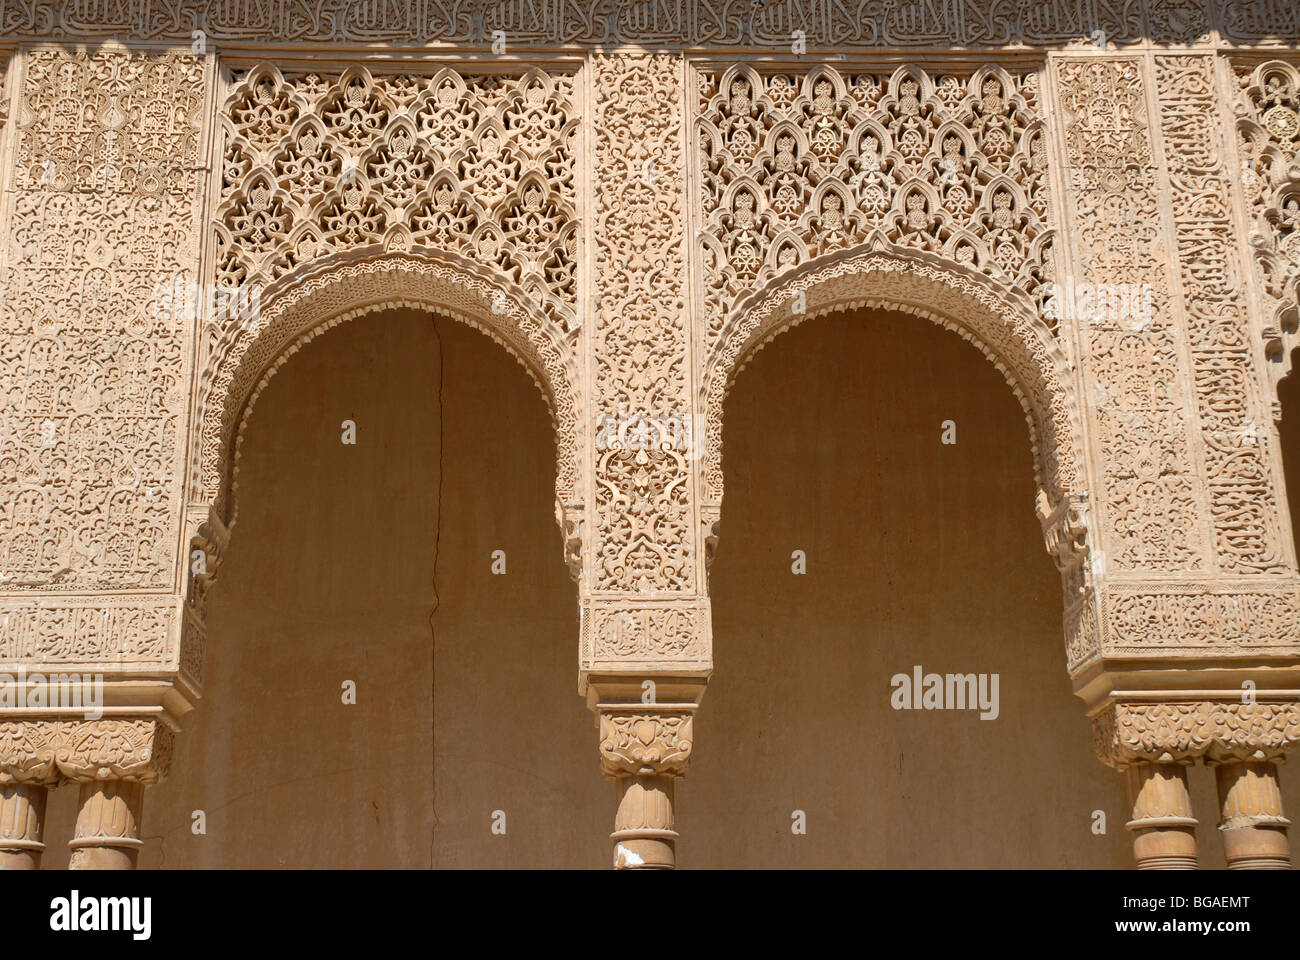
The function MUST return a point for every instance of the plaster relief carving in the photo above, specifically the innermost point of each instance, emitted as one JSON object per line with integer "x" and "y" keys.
{"x": 633, "y": 223}
{"x": 1231, "y": 413}
{"x": 794, "y": 166}
{"x": 1268, "y": 139}
{"x": 1149, "y": 488}
{"x": 645, "y": 540}
{"x": 1128, "y": 733}
{"x": 645, "y": 743}
{"x": 129, "y": 750}
{"x": 105, "y": 175}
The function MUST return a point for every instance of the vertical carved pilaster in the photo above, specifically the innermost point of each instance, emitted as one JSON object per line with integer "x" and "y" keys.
{"x": 644, "y": 749}
{"x": 1164, "y": 830}
{"x": 646, "y": 621}
{"x": 645, "y": 604}
{"x": 1118, "y": 297}
{"x": 645, "y": 535}
{"x": 1233, "y": 417}
{"x": 1252, "y": 824}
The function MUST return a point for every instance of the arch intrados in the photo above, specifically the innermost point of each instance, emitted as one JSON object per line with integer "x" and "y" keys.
{"x": 307, "y": 302}
{"x": 999, "y": 320}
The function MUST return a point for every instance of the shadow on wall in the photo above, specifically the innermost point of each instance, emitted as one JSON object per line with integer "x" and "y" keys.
{"x": 330, "y": 579}
{"x": 917, "y": 553}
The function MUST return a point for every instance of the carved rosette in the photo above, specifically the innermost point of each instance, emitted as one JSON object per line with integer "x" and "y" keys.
{"x": 1179, "y": 732}
{"x": 44, "y": 751}
{"x": 655, "y": 741}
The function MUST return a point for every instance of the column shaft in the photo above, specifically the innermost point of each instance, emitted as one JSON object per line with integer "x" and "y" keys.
{"x": 1252, "y": 824}
{"x": 1164, "y": 830}
{"x": 108, "y": 826}
{"x": 22, "y": 823}
{"x": 643, "y": 826}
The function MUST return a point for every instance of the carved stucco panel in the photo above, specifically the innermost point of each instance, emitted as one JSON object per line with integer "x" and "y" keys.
{"x": 124, "y": 631}
{"x": 1149, "y": 492}
{"x": 105, "y": 185}
{"x": 1199, "y": 618}
{"x": 476, "y": 165}
{"x": 103, "y": 203}
{"x": 1234, "y": 425}
{"x": 794, "y": 165}
{"x": 864, "y": 23}
{"x": 644, "y": 482}
{"x": 620, "y": 635}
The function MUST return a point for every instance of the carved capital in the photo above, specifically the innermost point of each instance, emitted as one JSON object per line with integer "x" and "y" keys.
{"x": 648, "y": 742}
{"x": 27, "y": 751}
{"x": 1180, "y": 732}
{"x": 136, "y": 750}
{"x": 131, "y": 750}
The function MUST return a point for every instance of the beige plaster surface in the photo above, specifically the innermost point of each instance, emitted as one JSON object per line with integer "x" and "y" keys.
{"x": 917, "y": 552}
{"x": 330, "y": 578}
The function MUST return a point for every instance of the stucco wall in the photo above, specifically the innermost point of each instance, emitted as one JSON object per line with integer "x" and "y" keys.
{"x": 917, "y": 553}
{"x": 330, "y": 577}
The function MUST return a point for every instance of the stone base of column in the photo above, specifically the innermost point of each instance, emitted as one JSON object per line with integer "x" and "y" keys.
{"x": 1164, "y": 830}
{"x": 108, "y": 826}
{"x": 644, "y": 838}
{"x": 1252, "y": 827}
{"x": 22, "y": 816}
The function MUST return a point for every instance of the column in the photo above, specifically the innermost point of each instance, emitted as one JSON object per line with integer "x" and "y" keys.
{"x": 1154, "y": 740}
{"x": 108, "y": 826}
{"x": 22, "y": 824}
{"x": 1251, "y": 821}
{"x": 113, "y": 760}
{"x": 644, "y": 748}
{"x": 27, "y": 771}
{"x": 1164, "y": 830}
